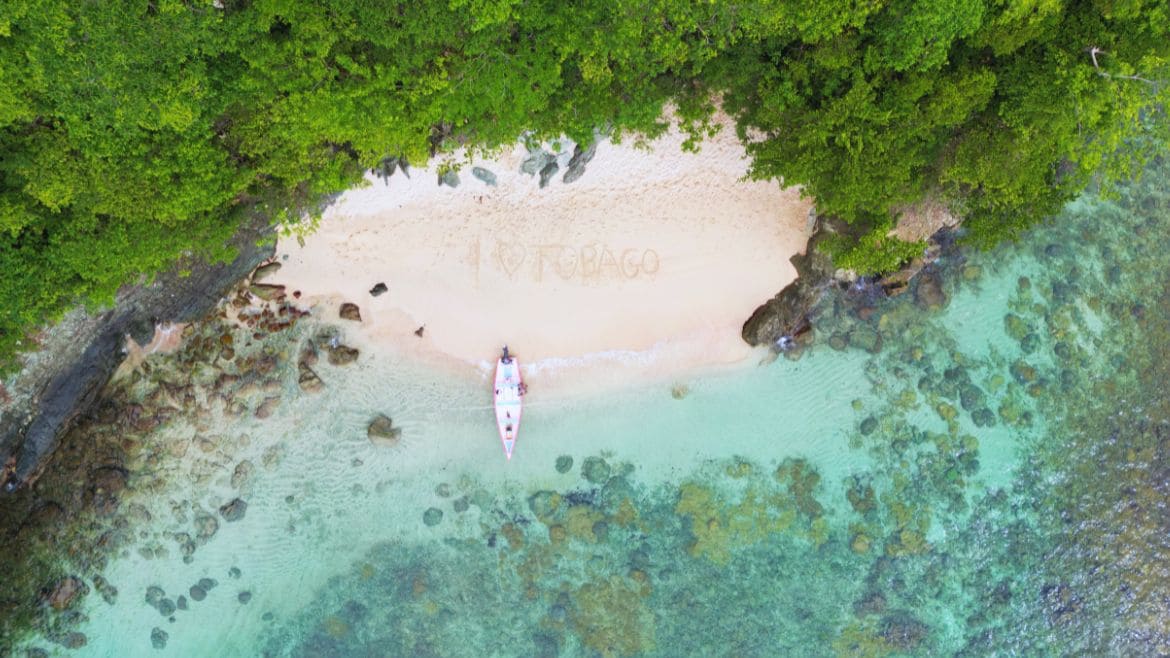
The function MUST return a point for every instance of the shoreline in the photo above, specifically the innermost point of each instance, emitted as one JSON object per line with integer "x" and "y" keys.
{"x": 642, "y": 269}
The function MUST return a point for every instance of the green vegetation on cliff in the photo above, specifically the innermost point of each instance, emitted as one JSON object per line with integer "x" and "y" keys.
{"x": 131, "y": 133}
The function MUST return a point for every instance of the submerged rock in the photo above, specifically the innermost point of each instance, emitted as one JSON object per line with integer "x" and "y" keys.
{"x": 234, "y": 510}
{"x": 342, "y": 355}
{"x": 308, "y": 380}
{"x": 154, "y": 594}
{"x": 564, "y": 464}
{"x": 595, "y": 470}
{"x": 929, "y": 292}
{"x": 205, "y": 526}
{"x": 381, "y": 431}
{"x": 242, "y": 474}
{"x": 433, "y": 516}
{"x": 197, "y": 593}
{"x": 267, "y": 407}
{"x": 244, "y": 597}
{"x": 158, "y": 638}
{"x": 108, "y": 592}
{"x": 66, "y": 592}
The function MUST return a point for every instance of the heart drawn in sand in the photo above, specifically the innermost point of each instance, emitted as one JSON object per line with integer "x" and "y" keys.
{"x": 510, "y": 256}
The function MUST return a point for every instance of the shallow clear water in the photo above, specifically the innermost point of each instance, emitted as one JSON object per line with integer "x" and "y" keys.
{"x": 988, "y": 481}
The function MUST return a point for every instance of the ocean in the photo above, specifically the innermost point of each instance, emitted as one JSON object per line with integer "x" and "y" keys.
{"x": 987, "y": 476}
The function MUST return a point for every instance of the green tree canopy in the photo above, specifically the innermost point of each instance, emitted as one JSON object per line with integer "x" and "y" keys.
{"x": 134, "y": 132}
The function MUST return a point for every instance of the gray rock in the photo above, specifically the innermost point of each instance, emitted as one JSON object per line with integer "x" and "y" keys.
{"x": 166, "y": 607}
{"x": 181, "y": 602}
{"x": 581, "y": 157}
{"x": 208, "y": 583}
{"x": 234, "y": 510}
{"x": 564, "y": 464}
{"x": 461, "y": 504}
{"x": 244, "y": 597}
{"x": 378, "y": 289}
{"x": 235, "y": 572}
{"x": 158, "y": 638}
{"x": 433, "y": 516}
{"x": 450, "y": 178}
{"x": 595, "y": 470}
{"x": 536, "y": 161}
{"x": 484, "y": 175}
{"x": 548, "y": 172}
{"x": 197, "y": 593}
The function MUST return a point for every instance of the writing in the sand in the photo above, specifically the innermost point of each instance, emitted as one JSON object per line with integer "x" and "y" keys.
{"x": 592, "y": 262}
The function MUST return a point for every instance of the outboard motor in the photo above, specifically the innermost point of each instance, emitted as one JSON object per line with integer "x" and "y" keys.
{"x": 506, "y": 358}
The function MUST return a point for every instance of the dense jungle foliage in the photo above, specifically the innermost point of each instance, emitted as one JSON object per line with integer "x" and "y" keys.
{"x": 134, "y": 132}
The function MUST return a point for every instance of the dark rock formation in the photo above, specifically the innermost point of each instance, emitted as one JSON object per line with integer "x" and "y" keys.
{"x": 378, "y": 289}
{"x": 548, "y": 172}
{"x": 76, "y": 367}
{"x": 350, "y": 312}
{"x": 581, "y": 157}
{"x": 786, "y": 316}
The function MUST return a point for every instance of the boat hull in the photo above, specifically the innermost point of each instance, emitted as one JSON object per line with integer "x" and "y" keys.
{"x": 508, "y": 402}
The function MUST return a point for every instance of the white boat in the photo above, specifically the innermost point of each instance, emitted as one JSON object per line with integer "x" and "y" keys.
{"x": 509, "y": 393}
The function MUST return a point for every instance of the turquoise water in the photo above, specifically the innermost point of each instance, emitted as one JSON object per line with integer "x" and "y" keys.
{"x": 985, "y": 479}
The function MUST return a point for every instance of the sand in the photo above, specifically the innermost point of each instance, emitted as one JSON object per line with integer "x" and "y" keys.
{"x": 647, "y": 265}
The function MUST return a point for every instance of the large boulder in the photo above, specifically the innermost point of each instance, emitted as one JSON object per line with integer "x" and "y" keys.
{"x": 350, "y": 311}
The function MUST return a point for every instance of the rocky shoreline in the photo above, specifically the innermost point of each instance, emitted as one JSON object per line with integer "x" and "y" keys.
{"x": 62, "y": 380}
{"x": 785, "y": 322}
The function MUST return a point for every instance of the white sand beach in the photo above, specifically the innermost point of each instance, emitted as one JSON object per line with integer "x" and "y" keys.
{"x": 650, "y": 262}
